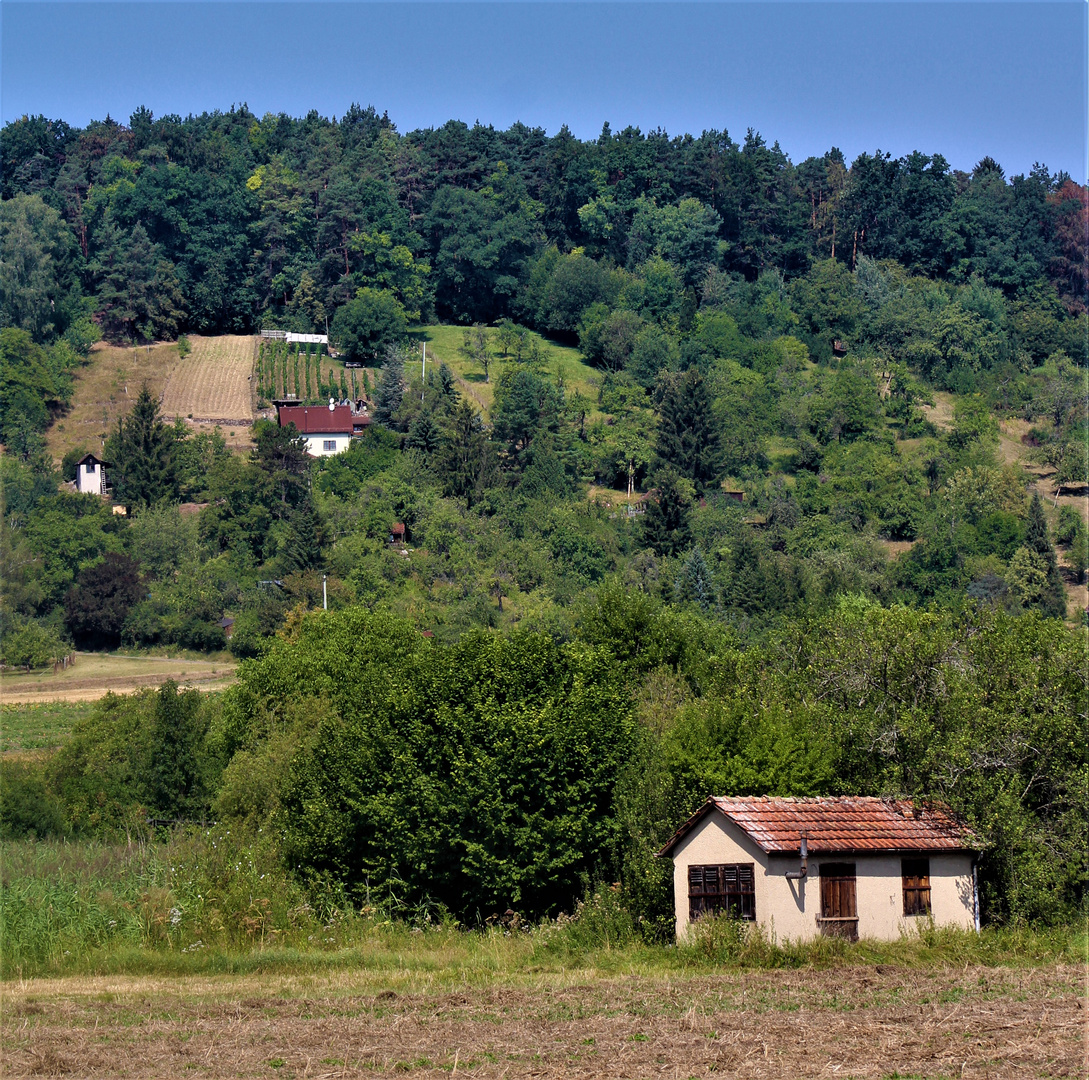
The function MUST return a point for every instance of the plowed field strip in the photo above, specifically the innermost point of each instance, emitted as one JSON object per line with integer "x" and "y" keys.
{"x": 981, "y": 1022}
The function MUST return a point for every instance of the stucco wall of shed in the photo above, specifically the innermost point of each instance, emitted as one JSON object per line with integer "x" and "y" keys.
{"x": 790, "y": 909}
{"x": 315, "y": 444}
{"x": 89, "y": 483}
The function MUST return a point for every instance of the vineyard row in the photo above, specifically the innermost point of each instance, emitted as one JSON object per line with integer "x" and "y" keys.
{"x": 302, "y": 371}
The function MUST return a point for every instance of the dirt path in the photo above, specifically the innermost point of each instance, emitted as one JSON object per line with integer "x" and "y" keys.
{"x": 112, "y": 686}
{"x": 858, "y": 1022}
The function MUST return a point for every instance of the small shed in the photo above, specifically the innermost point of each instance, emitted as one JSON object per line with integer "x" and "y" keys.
{"x": 91, "y": 475}
{"x": 846, "y": 866}
{"x": 227, "y": 626}
{"x": 839, "y": 348}
{"x": 397, "y": 533}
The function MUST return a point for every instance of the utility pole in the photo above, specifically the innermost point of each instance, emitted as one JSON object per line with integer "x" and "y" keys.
{"x": 423, "y": 371}
{"x": 324, "y": 593}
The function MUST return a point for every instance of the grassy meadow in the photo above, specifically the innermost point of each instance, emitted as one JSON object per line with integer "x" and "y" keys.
{"x": 105, "y": 389}
{"x": 36, "y": 727}
{"x": 444, "y": 344}
{"x": 95, "y": 674}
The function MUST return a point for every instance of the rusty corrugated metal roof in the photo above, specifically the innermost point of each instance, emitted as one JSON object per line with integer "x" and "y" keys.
{"x": 840, "y": 823}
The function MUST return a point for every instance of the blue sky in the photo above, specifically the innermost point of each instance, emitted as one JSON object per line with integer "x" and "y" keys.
{"x": 962, "y": 79}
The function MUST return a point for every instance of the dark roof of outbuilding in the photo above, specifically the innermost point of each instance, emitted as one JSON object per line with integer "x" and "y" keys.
{"x": 840, "y": 823}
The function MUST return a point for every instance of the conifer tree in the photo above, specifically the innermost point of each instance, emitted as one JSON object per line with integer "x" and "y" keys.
{"x": 141, "y": 452}
{"x": 424, "y": 434}
{"x": 390, "y": 389}
{"x": 696, "y": 583}
{"x": 465, "y": 461}
{"x": 1038, "y": 540}
{"x": 688, "y": 437}
{"x": 446, "y": 383}
{"x": 665, "y": 527}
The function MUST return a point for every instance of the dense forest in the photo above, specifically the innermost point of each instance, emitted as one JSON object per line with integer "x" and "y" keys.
{"x": 775, "y": 548}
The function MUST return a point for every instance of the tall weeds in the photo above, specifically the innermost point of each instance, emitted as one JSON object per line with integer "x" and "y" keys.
{"x": 209, "y": 901}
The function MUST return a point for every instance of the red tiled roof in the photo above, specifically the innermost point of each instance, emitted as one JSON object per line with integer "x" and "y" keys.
{"x": 318, "y": 419}
{"x": 842, "y": 823}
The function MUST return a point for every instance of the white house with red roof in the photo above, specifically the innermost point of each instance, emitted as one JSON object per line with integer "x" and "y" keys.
{"x": 327, "y": 429}
{"x": 847, "y": 866}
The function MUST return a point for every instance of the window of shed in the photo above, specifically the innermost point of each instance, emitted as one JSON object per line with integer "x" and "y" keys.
{"x": 916, "y": 874}
{"x": 729, "y": 889}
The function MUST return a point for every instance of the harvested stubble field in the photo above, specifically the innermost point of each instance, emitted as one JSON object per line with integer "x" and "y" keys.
{"x": 96, "y": 674}
{"x": 212, "y": 384}
{"x": 857, "y": 1021}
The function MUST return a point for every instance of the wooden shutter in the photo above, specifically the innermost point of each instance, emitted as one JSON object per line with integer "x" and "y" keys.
{"x": 839, "y": 903}
{"x": 916, "y": 875}
{"x": 725, "y": 888}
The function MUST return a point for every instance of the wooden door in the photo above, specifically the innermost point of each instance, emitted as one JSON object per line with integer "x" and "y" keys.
{"x": 839, "y": 900}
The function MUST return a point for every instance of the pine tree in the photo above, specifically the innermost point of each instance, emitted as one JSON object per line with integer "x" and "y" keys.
{"x": 390, "y": 389}
{"x": 301, "y": 548}
{"x": 665, "y": 527}
{"x": 1038, "y": 540}
{"x": 688, "y": 437}
{"x": 696, "y": 583}
{"x": 466, "y": 460}
{"x": 446, "y": 383}
{"x": 424, "y": 435}
{"x": 141, "y": 452}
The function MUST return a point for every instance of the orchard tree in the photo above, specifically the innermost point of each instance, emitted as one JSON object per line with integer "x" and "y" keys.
{"x": 476, "y": 345}
{"x": 32, "y": 646}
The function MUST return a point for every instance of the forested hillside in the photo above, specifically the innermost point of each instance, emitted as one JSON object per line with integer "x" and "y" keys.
{"x": 770, "y": 529}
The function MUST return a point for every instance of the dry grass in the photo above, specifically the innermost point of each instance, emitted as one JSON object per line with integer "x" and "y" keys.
{"x": 95, "y": 674}
{"x": 895, "y": 548}
{"x": 105, "y": 390}
{"x": 868, "y": 1021}
{"x": 212, "y": 384}
{"x": 940, "y": 414}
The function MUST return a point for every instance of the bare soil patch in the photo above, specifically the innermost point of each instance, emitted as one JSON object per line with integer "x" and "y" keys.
{"x": 857, "y": 1022}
